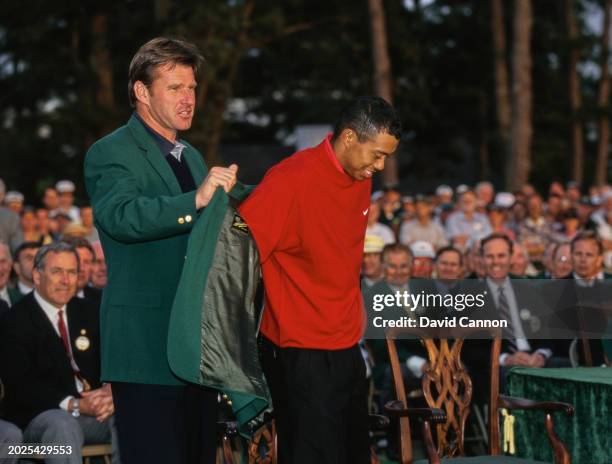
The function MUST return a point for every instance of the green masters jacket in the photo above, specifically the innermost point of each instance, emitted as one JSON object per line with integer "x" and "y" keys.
{"x": 214, "y": 320}
{"x": 154, "y": 329}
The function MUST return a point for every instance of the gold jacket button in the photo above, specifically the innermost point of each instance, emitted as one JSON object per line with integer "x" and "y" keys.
{"x": 188, "y": 218}
{"x": 181, "y": 220}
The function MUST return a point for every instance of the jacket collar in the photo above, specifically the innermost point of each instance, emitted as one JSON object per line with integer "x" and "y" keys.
{"x": 154, "y": 156}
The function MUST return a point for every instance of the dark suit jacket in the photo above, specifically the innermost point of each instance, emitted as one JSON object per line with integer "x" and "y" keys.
{"x": 582, "y": 312}
{"x": 533, "y": 312}
{"x": 34, "y": 366}
{"x": 93, "y": 294}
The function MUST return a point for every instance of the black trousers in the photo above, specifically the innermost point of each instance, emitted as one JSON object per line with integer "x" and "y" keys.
{"x": 163, "y": 424}
{"x": 320, "y": 404}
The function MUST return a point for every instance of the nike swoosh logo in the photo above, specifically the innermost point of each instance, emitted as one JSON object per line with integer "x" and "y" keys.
{"x": 366, "y": 211}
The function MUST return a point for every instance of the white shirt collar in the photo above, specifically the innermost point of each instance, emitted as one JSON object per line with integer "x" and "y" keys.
{"x": 23, "y": 288}
{"x": 587, "y": 282}
{"x": 177, "y": 151}
{"x": 4, "y": 295}
{"x": 51, "y": 311}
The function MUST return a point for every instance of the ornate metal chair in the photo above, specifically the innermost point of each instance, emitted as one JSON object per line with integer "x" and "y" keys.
{"x": 447, "y": 387}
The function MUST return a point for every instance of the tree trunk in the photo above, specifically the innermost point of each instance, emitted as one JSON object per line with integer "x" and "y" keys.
{"x": 483, "y": 149}
{"x": 502, "y": 87}
{"x": 575, "y": 94}
{"x": 522, "y": 130}
{"x": 603, "y": 97}
{"x": 225, "y": 91}
{"x": 382, "y": 74}
{"x": 102, "y": 63}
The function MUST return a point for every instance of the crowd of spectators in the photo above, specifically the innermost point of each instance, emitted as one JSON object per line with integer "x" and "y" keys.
{"x": 537, "y": 224}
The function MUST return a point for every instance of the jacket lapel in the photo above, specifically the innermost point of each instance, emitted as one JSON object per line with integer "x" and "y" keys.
{"x": 154, "y": 156}
{"x": 43, "y": 325}
{"x": 195, "y": 163}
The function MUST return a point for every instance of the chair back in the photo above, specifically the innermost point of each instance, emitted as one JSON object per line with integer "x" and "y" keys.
{"x": 446, "y": 385}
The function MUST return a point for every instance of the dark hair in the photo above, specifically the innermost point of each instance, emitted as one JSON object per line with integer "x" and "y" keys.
{"x": 25, "y": 246}
{"x": 368, "y": 117}
{"x": 587, "y": 235}
{"x": 396, "y": 248}
{"x": 446, "y": 249}
{"x": 40, "y": 260}
{"x": 159, "y": 52}
{"x": 496, "y": 236}
{"x": 80, "y": 242}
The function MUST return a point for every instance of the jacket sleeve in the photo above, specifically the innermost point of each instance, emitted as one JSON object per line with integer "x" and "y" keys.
{"x": 120, "y": 207}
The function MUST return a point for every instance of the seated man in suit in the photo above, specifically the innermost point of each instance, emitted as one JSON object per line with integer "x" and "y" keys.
{"x": 583, "y": 300}
{"x": 517, "y": 303}
{"x": 397, "y": 265}
{"x": 23, "y": 265}
{"x": 50, "y": 360}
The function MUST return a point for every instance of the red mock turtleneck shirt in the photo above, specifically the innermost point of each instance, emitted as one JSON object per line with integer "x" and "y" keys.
{"x": 308, "y": 218}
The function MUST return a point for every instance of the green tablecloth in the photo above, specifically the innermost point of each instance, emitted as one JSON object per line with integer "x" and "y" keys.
{"x": 588, "y": 434}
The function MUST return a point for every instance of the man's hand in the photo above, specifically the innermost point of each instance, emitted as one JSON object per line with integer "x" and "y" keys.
{"x": 520, "y": 358}
{"x": 217, "y": 177}
{"x": 98, "y": 403}
{"x": 537, "y": 360}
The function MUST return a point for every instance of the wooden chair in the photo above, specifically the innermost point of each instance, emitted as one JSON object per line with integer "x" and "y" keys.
{"x": 448, "y": 392}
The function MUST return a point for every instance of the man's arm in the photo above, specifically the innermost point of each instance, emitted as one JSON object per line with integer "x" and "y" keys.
{"x": 126, "y": 214}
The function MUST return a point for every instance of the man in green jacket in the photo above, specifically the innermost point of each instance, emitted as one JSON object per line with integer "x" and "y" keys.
{"x": 147, "y": 188}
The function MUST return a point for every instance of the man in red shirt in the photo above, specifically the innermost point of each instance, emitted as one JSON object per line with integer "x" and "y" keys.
{"x": 308, "y": 218}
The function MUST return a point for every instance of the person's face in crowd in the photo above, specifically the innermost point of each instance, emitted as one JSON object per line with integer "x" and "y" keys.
{"x": 557, "y": 189}
{"x": 86, "y": 260}
{"x": 519, "y": 211}
{"x": 397, "y": 268}
{"x": 475, "y": 261}
{"x": 562, "y": 262}
{"x": 422, "y": 268}
{"x": 392, "y": 201}
{"x": 448, "y": 266}
{"x": 371, "y": 266}
{"x": 15, "y": 206}
{"x": 496, "y": 218}
{"x": 409, "y": 209}
{"x": 99, "y": 274}
{"x": 6, "y": 262}
{"x": 87, "y": 216}
{"x": 573, "y": 194}
{"x": 571, "y": 225}
{"x": 51, "y": 199}
{"x": 485, "y": 194}
{"x": 374, "y": 213}
{"x": 586, "y": 259}
{"x": 468, "y": 203}
{"x": 61, "y": 223}
{"x": 497, "y": 258}
{"x": 584, "y": 212}
{"x": 24, "y": 265}
{"x": 534, "y": 206}
{"x": 66, "y": 200}
{"x": 528, "y": 190}
{"x": 29, "y": 223}
{"x": 553, "y": 206}
{"x": 519, "y": 261}
{"x": 42, "y": 219}
{"x": 361, "y": 160}
{"x": 168, "y": 105}
{"x": 57, "y": 281}
{"x": 423, "y": 210}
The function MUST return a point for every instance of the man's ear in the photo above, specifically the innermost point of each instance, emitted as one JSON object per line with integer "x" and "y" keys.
{"x": 141, "y": 91}
{"x": 36, "y": 277}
